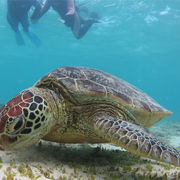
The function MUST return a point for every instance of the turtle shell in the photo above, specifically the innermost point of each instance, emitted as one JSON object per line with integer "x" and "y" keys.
{"x": 82, "y": 86}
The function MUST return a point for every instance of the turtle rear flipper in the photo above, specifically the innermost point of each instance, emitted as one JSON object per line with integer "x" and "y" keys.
{"x": 134, "y": 139}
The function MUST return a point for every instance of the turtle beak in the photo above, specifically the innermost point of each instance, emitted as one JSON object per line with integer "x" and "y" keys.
{"x": 3, "y": 141}
{"x": 6, "y": 141}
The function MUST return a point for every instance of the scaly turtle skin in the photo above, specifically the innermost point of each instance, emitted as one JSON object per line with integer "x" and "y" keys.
{"x": 82, "y": 105}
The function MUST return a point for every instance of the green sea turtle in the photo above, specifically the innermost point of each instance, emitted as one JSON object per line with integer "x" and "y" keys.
{"x": 82, "y": 105}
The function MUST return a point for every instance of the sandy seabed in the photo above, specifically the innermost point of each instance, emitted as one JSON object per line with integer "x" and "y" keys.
{"x": 68, "y": 162}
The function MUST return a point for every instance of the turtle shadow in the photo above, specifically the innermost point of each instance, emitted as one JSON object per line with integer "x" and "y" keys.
{"x": 81, "y": 155}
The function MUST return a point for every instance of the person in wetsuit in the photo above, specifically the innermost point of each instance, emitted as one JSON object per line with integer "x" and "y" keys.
{"x": 17, "y": 13}
{"x": 69, "y": 15}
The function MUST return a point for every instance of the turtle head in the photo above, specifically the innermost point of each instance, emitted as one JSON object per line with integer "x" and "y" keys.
{"x": 24, "y": 120}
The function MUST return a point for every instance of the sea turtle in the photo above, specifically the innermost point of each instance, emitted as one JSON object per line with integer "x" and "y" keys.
{"x": 83, "y": 105}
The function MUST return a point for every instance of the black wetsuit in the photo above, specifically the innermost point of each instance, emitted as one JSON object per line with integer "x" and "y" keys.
{"x": 18, "y": 12}
{"x": 67, "y": 11}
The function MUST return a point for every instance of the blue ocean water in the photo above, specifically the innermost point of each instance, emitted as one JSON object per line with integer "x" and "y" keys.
{"x": 137, "y": 40}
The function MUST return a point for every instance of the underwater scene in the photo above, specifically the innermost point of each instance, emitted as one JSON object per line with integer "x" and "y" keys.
{"x": 137, "y": 41}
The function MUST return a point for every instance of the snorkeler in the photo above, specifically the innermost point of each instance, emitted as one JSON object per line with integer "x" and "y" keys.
{"x": 18, "y": 14}
{"x": 70, "y": 16}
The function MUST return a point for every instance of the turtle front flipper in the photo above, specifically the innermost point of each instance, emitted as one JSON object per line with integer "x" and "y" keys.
{"x": 134, "y": 139}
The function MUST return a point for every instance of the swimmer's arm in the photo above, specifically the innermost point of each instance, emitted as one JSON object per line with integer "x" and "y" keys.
{"x": 37, "y": 9}
{"x": 44, "y": 9}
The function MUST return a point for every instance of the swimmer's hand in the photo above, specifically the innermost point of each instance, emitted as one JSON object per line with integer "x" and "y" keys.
{"x": 62, "y": 21}
{"x": 70, "y": 12}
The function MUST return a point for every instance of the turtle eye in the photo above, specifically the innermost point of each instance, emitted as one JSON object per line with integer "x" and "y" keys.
{"x": 15, "y": 124}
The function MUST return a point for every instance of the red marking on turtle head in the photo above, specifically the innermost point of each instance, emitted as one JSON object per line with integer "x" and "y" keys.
{"x": 27, "y": 95}
{"x": 21, "y": 100}
{"x": 15, "y": 111}
{"x": 23, "y": 104}
{"x": 14, "y": 108}
{"x": 16, "y": 100}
